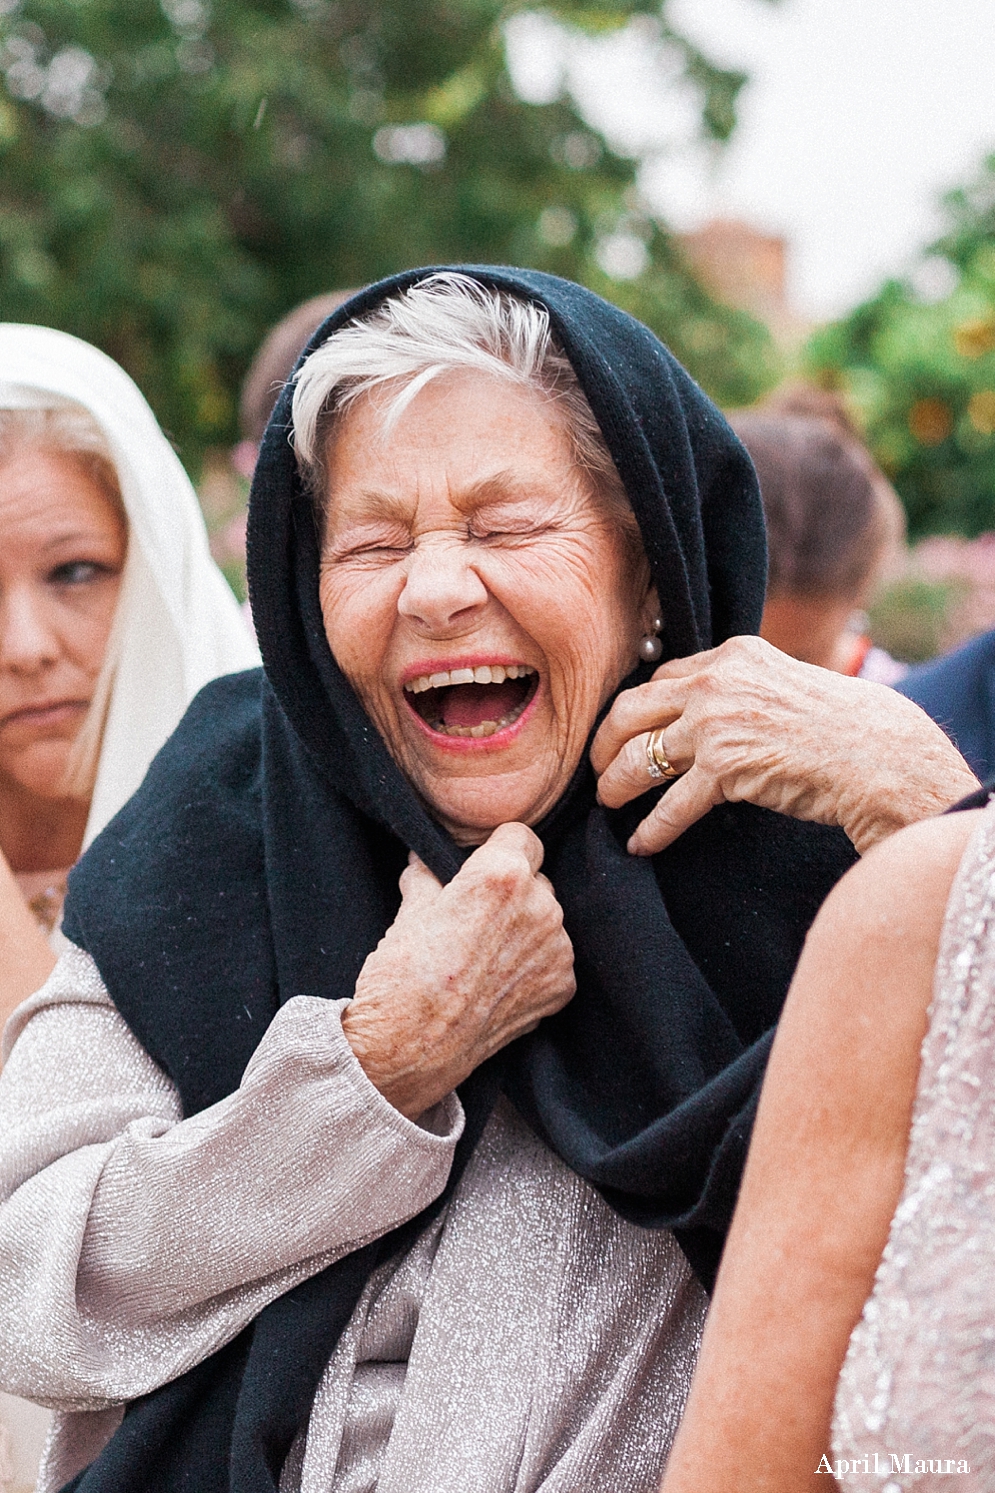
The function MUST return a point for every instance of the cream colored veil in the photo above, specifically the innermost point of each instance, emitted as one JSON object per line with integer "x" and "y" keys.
{"x": 177, "y": 623}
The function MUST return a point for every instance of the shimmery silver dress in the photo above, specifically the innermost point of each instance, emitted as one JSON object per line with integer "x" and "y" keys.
{"x": 916, "y": 1398}
{"x": 530, "y": 1342}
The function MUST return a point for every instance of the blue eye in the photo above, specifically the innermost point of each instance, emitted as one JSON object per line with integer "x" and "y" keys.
{"x": 78, "y": 573}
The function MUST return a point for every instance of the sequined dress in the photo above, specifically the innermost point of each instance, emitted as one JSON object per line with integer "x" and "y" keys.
{"x": 530, "y": 1342}
{"x": 915, "y": 1404}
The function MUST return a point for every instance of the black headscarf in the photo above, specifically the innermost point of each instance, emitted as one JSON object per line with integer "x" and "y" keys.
{"x": 259, "y": 861}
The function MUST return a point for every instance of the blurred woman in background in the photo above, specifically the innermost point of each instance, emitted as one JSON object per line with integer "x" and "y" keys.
{"x": 833, "y": 524}
{"x": 272, "y": 366}
{"x": 112, "y": 616}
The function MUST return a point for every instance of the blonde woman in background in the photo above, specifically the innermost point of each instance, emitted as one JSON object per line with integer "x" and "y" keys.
{"x": 112, "y": 617}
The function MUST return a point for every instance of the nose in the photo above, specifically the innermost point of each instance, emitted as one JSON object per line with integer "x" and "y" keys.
{"x": 442, "y": 592}
{"x": 27, "y": 643}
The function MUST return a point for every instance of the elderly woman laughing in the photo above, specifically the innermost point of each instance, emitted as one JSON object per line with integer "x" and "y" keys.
{"x": 383, "y": 1159}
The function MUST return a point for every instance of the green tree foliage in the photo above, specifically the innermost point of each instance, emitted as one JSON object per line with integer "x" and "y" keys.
{"x": 175, "y": 174}
{"x": 919, "y": 361}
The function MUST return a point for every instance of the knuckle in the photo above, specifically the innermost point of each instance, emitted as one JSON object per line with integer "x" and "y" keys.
{"x": 546, "y": 907}
{"x": 632, "y": 757}
{"x": 506, "y": 873}
{"x": 622, "y": 705}
{"x": 626, "y": 712}
{"x": 516, "y": 839}
{"x": 565, "y": 992}
{"x": 711, "y": 682}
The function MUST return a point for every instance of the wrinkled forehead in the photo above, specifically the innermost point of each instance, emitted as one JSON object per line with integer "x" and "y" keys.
{"x": 463, "y": 442}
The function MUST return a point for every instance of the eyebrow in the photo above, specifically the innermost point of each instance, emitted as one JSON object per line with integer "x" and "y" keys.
{"x": 376, "y": 504}
{"x": 73, "y": 537}
{"x": 499, "y": 487}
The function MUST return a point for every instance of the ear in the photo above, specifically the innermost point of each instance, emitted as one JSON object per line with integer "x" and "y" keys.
{"x": 650, "y": 615}
{"x": 649, "y": 647}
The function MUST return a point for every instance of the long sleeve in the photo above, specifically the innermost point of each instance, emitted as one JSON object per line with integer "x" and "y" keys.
{"x": 133, "y": 1243}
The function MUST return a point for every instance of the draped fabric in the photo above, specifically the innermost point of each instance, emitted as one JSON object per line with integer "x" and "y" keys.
{"x": 260, "y": 859}
{"x": 177, "y": 624}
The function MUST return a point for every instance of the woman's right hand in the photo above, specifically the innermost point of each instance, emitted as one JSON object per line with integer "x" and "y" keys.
{"x": 462, "y": 971}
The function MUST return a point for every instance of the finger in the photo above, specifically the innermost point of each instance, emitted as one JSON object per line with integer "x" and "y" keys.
{"x": 682, "y": 805}
{"x": 518, "y": 839}
{"x": 679, "y": 742}
{"x": 742, "y": 647}
{"x": 682, "y": 668}
{"x": 419, "y": 887}
{"x": 636, "y": 710}
{"x": 629, "y": 775}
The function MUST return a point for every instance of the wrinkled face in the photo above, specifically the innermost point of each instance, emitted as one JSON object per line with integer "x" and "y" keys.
{"x": 62, "y": 548}
{"x": 479, "y": 597}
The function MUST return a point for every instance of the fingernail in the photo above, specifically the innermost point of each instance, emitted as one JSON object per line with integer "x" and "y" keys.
{"x": 633, "y": 846}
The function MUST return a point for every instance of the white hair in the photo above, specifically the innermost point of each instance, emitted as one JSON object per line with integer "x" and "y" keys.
{"x": 71, "y": 431}
{"x": 444, "y": 323}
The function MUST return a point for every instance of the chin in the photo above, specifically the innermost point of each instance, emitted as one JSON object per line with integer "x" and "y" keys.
{"x": 40, "y": 773}
{"x": 471, "y": 815}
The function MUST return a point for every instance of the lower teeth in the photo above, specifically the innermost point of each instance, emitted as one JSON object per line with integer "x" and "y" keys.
{"x": 486, "y": 728}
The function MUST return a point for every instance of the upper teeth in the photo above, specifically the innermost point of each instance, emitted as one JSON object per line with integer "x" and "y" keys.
{"x": 483, "y": 674}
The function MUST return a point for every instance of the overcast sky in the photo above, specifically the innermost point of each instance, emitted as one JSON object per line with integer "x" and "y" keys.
{"x": 858, "y": 115}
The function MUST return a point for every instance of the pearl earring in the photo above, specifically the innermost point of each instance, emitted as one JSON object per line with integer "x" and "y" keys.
{"x": 650, "y": 647}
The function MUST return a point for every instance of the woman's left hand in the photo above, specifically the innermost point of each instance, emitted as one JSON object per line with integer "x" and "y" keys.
{"x": 746, "y": 722}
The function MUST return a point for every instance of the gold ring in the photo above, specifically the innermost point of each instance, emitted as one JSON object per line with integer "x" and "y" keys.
{"x": 657, "y": 763}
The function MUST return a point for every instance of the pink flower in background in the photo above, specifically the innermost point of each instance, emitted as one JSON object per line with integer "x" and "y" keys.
{"x": 968, "y": 565}
{"x": 228, "y": 542}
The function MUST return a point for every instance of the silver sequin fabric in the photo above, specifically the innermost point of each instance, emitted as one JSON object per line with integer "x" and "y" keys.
{"x": 918, "y": 1382}
{"x": 531, "y": 1341}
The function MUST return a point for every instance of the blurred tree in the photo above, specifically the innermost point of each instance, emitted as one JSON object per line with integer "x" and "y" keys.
{"x": 918, "y": 360}
{"x": 175, "y": 174}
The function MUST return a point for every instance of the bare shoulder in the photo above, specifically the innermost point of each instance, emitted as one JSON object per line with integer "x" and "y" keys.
{"x": 859, "y": 1002}
{"x": 887, "y": 912}
{"x": 919, "y": 862}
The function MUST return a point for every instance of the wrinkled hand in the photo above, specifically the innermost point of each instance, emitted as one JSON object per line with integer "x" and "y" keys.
{"x": 746, "y": 722}
{"x": 461, "y": 972}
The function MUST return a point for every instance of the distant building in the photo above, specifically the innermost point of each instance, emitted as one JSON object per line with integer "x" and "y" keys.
{"x": 744, "y": 268}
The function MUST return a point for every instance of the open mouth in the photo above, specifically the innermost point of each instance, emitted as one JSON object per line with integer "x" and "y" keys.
{"x": 473, "y": 702}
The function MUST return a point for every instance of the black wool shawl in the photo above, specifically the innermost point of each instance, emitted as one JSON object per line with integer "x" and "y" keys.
{"x": 259, "y": 861}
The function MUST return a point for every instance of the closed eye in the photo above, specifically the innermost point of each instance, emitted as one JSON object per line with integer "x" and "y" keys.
{"x": 510, "y": 521}
{"x": 508, "y": 532}
{"x": 373, "y": 551}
